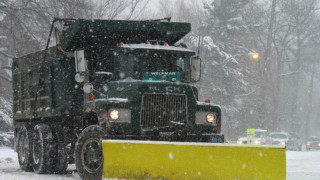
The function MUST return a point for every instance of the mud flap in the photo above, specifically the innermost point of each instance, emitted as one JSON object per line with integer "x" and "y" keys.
{"x": 176, "y": 160}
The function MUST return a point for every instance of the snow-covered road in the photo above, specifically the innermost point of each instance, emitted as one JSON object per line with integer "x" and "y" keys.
{"x": 10, "y": 170}
{"x": 304, "y": 165}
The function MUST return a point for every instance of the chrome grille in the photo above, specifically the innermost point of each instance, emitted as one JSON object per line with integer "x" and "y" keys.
{"x": 158, "y": 110}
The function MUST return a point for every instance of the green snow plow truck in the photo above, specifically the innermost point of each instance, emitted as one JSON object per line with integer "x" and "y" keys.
{"x": 110, "y": 79}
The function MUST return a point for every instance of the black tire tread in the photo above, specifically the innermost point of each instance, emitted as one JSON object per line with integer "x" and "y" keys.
{"x": 27, "y": 164}
{"x": 89, "y": 132}
{"x": 60, "y": 163}
{"x": 47, "y": 149}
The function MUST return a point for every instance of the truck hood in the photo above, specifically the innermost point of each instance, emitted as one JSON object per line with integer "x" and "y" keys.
{"x": 130, "y": 90}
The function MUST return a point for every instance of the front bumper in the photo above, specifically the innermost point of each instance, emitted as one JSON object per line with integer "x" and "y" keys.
{"x": 313, "y": 146}
{"x": 168, "y": 136}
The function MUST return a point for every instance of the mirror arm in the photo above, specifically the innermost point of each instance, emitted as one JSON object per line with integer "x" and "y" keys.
{"x": 99, "y": 92}
{"x": 58, "y": 45}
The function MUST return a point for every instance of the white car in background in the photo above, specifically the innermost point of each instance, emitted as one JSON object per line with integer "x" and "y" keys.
{"x": 313, "y": 142}
{"x": 279, "y": 138}
{"x": 260, "y": 137}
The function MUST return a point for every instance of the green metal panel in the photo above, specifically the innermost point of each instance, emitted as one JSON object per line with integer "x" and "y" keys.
{"x": 88, "y": 33}
{"x": 133, "y": 91}
{"x": 56, "y": 94}
{"x": 32, "y": 97}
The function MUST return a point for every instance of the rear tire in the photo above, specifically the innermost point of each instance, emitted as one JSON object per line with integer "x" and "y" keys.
{"x": 24, "y": 149}
{"x": 43, "y": 149}
{"x": 61, "y": 160}
{"x": 88, "y": 153}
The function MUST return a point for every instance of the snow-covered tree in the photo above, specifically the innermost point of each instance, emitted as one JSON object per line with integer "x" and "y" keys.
{"x": 296, "y": 43}
{"x": 27, "y": 22}
{"x": 226, "y": 57}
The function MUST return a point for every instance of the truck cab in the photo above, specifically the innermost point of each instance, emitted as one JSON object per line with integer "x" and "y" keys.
{"x": 139, "y": 80}
{"x": 143, "y": 91}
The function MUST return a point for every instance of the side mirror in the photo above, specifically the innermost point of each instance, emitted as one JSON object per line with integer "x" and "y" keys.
{"x": 195, "y": 67}
{"x": 80, "y": 61}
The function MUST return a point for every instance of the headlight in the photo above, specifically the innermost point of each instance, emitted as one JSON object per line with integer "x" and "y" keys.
{"x": 206, "y": 117}
{"x": 114, "y": 114}
{"x": 211, "y": 118}
{"x": 308, "y": 144}
{"x": 119, "y": 115}
{"x": 283, "y": 143}
{"x": 239, "y": 142}
{"x": 319, "y": 144}
{"x": 258, "y": 142}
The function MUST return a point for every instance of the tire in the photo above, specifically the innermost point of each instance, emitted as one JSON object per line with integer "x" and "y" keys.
{"x": 88, "y": 153}
{"x": 60, "y": 163}
{"x": 43, "y": 149}
{"x": 24, "y": 145}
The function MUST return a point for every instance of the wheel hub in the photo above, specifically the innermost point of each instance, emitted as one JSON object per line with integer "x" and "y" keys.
{"x": 91, "y": 155}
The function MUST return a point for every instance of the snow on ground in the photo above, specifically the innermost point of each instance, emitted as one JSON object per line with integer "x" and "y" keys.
{"x": 10, "y": 170}
{"x": 303, "y": 165}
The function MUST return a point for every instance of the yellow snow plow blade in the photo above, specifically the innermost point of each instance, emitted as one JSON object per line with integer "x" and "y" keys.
{"x": 177, "y": 160}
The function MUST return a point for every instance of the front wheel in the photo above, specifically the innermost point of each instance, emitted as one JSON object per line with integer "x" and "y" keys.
{"x": 88, "y": 153}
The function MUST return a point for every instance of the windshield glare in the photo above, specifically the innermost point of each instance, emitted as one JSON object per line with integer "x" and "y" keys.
{"x": 135, "y": 63}
{"x": 313, "y": 139}
{"x": 278, "y": 136}
{"x": 257, "y": 134}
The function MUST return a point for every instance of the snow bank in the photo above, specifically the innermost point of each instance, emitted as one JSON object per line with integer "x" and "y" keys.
{"x": 10, "y": 170}
{"x": 7, "y": 155}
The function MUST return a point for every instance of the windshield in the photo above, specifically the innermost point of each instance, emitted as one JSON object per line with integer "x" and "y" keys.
{"x": 278, "y": 136}
{"x": 259, "y": 134}
{"x": 256, "y": 134}
{"x": 152, "y": 65}
{"x": 313, "y": 139}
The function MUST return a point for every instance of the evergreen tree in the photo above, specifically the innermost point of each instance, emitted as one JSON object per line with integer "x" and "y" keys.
{"x": 225, "y": 74}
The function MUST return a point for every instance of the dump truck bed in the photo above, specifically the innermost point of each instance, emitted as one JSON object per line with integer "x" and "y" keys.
{"x": 88, "y": 33}
{"x": 24, "y": 62}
